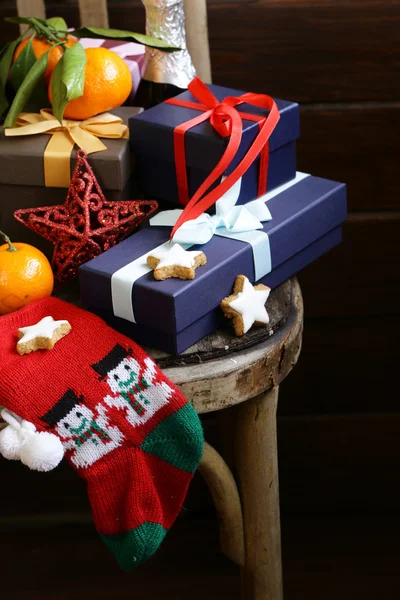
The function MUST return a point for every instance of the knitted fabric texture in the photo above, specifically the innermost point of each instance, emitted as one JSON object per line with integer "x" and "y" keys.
{"x": 124, "y": 426}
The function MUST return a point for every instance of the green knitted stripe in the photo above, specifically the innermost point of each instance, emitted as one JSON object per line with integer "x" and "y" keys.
{"x": 178, "y": 439}
{"x": 134, "y": 547}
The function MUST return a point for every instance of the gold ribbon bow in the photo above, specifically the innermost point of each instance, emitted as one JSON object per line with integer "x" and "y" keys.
{"x": 57, "y": 153}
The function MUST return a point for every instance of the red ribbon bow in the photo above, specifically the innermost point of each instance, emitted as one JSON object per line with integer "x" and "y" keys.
{"x": 227, "y": 121}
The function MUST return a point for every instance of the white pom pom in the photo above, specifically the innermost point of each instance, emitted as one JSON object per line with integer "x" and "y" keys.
{"x": 41, "y": 451}
{"x": 10, "y": 443}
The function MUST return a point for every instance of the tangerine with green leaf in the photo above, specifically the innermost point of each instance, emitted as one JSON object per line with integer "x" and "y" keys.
{"x": 25, "y": 275}
{"x": 108, "y": 83}
{"x": 40, "y": 45}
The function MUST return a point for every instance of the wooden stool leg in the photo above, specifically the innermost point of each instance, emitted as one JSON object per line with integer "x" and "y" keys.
{"x": 257, "y": 471}
{"x": 225, "y": 494}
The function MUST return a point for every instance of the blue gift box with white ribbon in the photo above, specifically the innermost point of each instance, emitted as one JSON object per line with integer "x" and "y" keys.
{"x": 306, "y": 216}
{"x": 152, "y": 143}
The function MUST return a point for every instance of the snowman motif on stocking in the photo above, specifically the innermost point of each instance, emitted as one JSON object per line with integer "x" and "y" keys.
{"x": 134, "y": 389}
{"x": 86, "y": 434}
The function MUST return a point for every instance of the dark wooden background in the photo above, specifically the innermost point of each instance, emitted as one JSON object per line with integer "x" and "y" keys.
{"x": 339, "y": 411}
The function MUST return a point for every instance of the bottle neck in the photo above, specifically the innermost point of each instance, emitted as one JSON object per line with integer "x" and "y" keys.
{"x": 165, "y": 19}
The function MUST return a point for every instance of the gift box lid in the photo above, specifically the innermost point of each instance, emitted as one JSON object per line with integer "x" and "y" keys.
{"x": 151, "y": 132}
{"x": 302, "y": 211}
{"x": 21, "y": 158}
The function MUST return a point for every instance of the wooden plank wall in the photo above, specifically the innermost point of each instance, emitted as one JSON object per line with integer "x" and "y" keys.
{"x": 341, "y": 60}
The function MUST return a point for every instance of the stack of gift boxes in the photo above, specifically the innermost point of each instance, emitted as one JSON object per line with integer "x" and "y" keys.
{"x": 168, "y": 157}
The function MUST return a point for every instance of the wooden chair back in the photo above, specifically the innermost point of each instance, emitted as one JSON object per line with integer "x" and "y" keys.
{"x": 94, "y": 13}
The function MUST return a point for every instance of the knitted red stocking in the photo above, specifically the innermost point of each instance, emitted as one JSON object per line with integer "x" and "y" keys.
{"x": 125, "y": 428}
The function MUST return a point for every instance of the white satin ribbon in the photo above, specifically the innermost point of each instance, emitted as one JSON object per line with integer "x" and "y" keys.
{"x": 230, "y": 221}
{"x": 122, "y": 283}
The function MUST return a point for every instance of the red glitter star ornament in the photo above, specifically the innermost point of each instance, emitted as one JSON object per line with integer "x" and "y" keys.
{"x": 87, "y": 224}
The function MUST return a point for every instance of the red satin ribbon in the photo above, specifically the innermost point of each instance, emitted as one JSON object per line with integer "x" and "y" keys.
{"x": 227, "y": 121}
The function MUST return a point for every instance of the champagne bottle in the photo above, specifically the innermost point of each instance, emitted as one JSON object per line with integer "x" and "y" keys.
{"x": 167, "y": 74}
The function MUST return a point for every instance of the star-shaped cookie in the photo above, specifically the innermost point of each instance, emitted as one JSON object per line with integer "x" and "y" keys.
{"x": 246, "y": 306}
{"x": 175, "y": 262}
{"x": 42, "y": 335}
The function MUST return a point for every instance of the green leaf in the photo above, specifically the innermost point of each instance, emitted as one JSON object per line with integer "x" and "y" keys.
{"x": 43, "y": 29}
{"x": 39, "y": 25}
{"x": 39, "y": 97}
{"x": 25, "y": 20}
{"x": 68, "y": 79}
{"x": 57, "y": 23}
{"x": 4, "y": 48}
{"x": 22, "y": 66}
{"x": 5, "y": 63}
{"x": 18, "y": 20}
{"x": 123, "y": 36}
{"x": 25, "y": 89}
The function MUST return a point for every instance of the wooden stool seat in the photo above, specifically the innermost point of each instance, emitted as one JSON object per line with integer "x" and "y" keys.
{"x": 222, "y": 370}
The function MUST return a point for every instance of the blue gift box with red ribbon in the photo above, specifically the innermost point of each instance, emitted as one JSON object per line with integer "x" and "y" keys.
{"x": 304, "y": 221}
{"x": 179, "y": 144}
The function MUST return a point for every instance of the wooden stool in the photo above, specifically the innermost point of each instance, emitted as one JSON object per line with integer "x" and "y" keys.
{"x": 222, "y": 372}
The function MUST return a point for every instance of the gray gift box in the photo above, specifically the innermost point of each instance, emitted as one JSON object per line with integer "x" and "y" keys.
{"x": 22, "y": 177}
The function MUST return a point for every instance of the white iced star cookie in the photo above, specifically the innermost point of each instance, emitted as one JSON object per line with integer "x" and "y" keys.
{"x": 41, "y": 336}
{"x": 246, "y": 306}
{"x": 175, "y": 262}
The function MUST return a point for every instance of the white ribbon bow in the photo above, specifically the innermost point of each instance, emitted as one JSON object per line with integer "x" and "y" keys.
{"x": 232, "y": 218}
